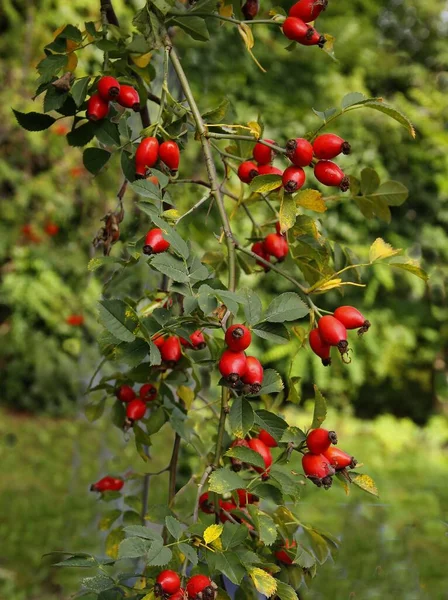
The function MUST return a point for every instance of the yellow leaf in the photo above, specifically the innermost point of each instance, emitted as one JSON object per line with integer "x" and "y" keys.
{"x": 329, "y": 285}
{"x": 187, "y": 395}
{"x": 212, "y": 533}
{"x": 366, "y": 483}
{"x": 380, "y": 250}
{"x": 113, "y": 541}
{"x": 172, "y": 214}
{"x": 246, "y": 33}
{"x": 255, "y": 129}
{"x": 312, "y": 200}
{"x": 287, "y": 212}
{"x": 263, "y": 582}
{"x": 140, "y": 584}
{"x": 72, "y": 62}
{"x": 150, "y": 596}
{"x": 226, "y": 10}
{"x": 71, "y": 45}
{"x": 141, "y": 60}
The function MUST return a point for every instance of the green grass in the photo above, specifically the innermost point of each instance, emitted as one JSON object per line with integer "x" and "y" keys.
{"x": 394, "y": 547}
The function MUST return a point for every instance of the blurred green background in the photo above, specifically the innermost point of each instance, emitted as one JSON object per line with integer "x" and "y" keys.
{"x": 390, "y": 403}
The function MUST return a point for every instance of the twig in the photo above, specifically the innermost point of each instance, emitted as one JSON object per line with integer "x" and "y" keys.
{"x": 201, "y": 484}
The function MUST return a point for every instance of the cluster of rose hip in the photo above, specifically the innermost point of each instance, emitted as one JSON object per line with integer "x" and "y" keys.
{"x": 136, "y": 405}
{"x": 322, "y": 461}
{"x": 243, "y": 373}
{"x": 239, "y": 501}
{"x": 170, "y": 347}
{"x": 198, "y": 587}
{"x": 301, "y": 153}
{"x": 332, "y": 331}
{"x": 149, "y": 151}
{"x": 296, "y": 26}
{"x": 110, "y": 90}
{"x": 261, "y": 444}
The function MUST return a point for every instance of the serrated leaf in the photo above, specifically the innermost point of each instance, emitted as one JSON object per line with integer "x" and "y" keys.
{"x": 262, "y": 184}
{"x": 352, "y": 98}
{"x": 393, "y": 193}
{"x": 264, "y": 525}
{"x": 81, "y": 136}
{"x": 77, "y": 561}
{"x": 145, "y": 188}
{"x": 112, "y": 543}
{"x": 311, "y": 200}
{"x": 285, "y": 591}
{"x": 286, "y": 307}
{"x": 194, "y": 26}
{"x": 133, "y": 353}
{"x": 79, "y": 90}
{"x": 273, "y": 332}
{"x": 54, "y": 99}
{"x": 98, "y": 583}
{"x": 107, "y": 133}
{"x": 293, "y": 435}
{"x": 217, "y": 115}
{"x": 233, "y": 535}
{"x": 170, "y": 266}
{"x": 304, "y": 558}
{"x": 143, "y": 532}
{"x": 94, "y": 159}
{"x": 380, "y": 250}
{"x": 263, "y": 582}
{"x": 287, "y": 214}
{"x": 114, "y": 316}
{"x": 33, "y": 121}
{"x": 365, "y": 482}
{"x": 272, "y": 382}
{"x": 252, "y": 306}
{"x": 175, "y": 527}
{"x": 229, "y": 564}
{"x": 212, "y": 533}
{"x": 241, "y": 417}
{"x": 412, "y": 268}
{"x": 246, "y": 455}
{"x": 158, "y": 557}
{"x": 370, "y": 181}
{"x": 223, "y": 481}
{"x": 320, "y": 409}
{"x": 190, "y": 553}
{"x": 273, "y": 424}
{"x": 391, "y": 112}
{"x": 133, "y": 547}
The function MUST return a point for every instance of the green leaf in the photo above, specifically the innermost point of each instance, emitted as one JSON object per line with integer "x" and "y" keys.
{"x": 352, "y": 98}
{"x": 163, "y": 6}
{"x": 293, "y": 435}
{"x": 252, "y": 306}
{"x": 286, "y": 482}
{"x": 159, "y": 557}
{"x": 127, "y": 166}
{"x": 393, "y": 193}
{"x": 224, "y": 481}
{"x": 114, "y": 316}
{"x": 190, "y": 553}
{"x": 273, "y": 424}
{"x": 233, "y": 535}
{"x": 273, "y": 332}
{"x": 79, "y": 90}
{"x": 304, "y": 558}
{"x": 264, "y": 525}
{"x": 98, "y": 583}
{"x": 94, "y": 159}
{"x": 167, "y": 264}
{"x": 286, "y": 307}
{"x": 77, "y": 561}
{"x": 272, "y": 382}
{"x": 326, "y": 114}
{"x": 246, "y": 455}
{"x": 320, "y": 409}
{"x": 107, "y": 133}
{"x": 228, "y": 564}
{"x": 133, "y": 353}
{"x": 288, "y": 212}
{"x": 194, "y": 26}
{"x": 33, "y": 121}
{"x": 414, "y": 269}
{"x": 391, "y": 112}
{"x": 241, "y": 417}
{"x": 54, "y": 99}
{"x": 147, "y": 189}
{"x": 175, "y": 527}
{"x": 285, "y": 591}
{"x": 217, "y": 115}
{"x": 133, "y": 547}
{"x": 178, "y": 244}
{"x": 143, "y": 532}
{"x": 50, "y": 66}
{"x": 94, "y": 410}
{"x": 81, "y": 135}
{"x": 262, "y": 184}
{"x": 370, "y": 181}
{"x": 70, "y": 32}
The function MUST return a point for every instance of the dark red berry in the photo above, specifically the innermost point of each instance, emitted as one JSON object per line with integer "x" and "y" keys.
{"x": 201, "y": 587}
{"x": 282, "y": 554}
{"x": 232, "y": 365}
{"x": 205, "y": 505}
{"x": 330, "y": 174}
{"x": 299, "y": 151}
{"x": 125, "y": 393}
{"x": 247, "y": 171}
{"x": 253, "y": 375}
{"x": 319, "y": 347}
{"x": 293, "y": 179}
{"x": 135, "y": 410}
{"x": 146, "y": 155}
{"x": 263, "y": 154}
{"x": 276, "y": 245}
{"x": 318, "y": 469}
{"x": 307, "y": 10}
{"x": 250, "y": 9}
{"x": 196, "y": 340}
{"x": 171, "y": 352}
{"x": 258, "y": 446}
{"x": 107, "y": 484}
{"x": 238, "y": 337}
{"x": 329, "y": 145}
{"x": 238, "y": 464}
{"x": 351, "y": 318}
{"x": 267, "y": 438}
{"x": 148, "y": 392}
{"x": 169, "y": 153}
{"x": 295, "y": 29}
{"x": 333, "y": 333}
{"x": 155, "y": 242}
{"x": 108, "y": 88}
{"x": 259, "y": 250}
{"x": 129, "y": 98}
{"x": 340, "y": 459}
{"x": 269, "y": 170}
{"x": 97, "y": 108}
{"x": 245, "y": 498}
{"x": 167, "y": 583}
{"x": 319, "y": 440}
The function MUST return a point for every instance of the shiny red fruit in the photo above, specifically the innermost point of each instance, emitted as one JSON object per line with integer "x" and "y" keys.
{"x": 259, "y": 250}
{"x": 125, "y": 393}
{"x": 258, "y": 446}
{"x": 263, "y": 154}
{"x": 247, "y": 171}
{"x": 333, "y": 333}
{"x": 245, "y": 498}
{"x": 238, "y": 338}
{"x": 329, "y": 145}
{"x": 319, "y": 347}
{"x": 196, "y": 340}
{"x": 232, "y": 365}
{"x": 171, "y": 351}
{"x": 129, "y": 98}
{"x": 108, "y": 88}
{"x": 269, "y": 170}
{"x": 267, "y": 439}
{"x": 107, "y": 484}
{"x": 135, "y": 409}
{"x": 228, "y": 506}
{"x": 282, "y": 554}
{"x": 155, "y": 242}
{"x": 159, "y": 341}
{"x": 146, "y": 155}
{"x": 179, "y": 595}
{"x": 167, "y": 583}
{"x": 313, "y": 38}
{"x": 201, "y": 584}
{"x": 318, "y": 468}
{"x": 276, "y": 245}
{"x": 205, "y": 504}
{"x": 293, "y": 179}
{"x": 169, "y": 153}
{"x": 299, "y": 151}
{"x": 148, "y": 392}
{"x": 75, "y": 320}
{"x": 319, "y": 440}
{"x": 340, "y": 459}
{"x": 253, "y": 375}
{"x": 97, "y": 108}
{"x": 330, "y": 174}
{"x": 351, "y": 318}
{"x": 295, "y": 29}
{"x": 308, "y": 10}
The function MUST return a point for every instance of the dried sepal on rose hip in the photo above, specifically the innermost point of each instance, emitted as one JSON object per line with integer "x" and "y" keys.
{"x": 351, "y": 318}
{"x": 148, "y": 392}
{"x": 201, "y": 587}
{"x": 247, "y": 171}
{"x": 293, "y": 179}
{"x": 108, "y": 88}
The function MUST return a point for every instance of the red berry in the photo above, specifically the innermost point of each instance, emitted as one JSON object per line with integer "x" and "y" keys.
{"x": 238, "y": 338}
{"x": 293, "y": 179}
{"x": 135, "y": 410}
{"x": 253, "y": 375}
{"x": 171, "y": 351}
{"x": 307, "y": 10}
{"x": 299, "y": 151}
{"x": 159, "y": 341}
{"x": 295, "y": 29}
{"x": 245, "y": 498}
{"x": 333, "y": 333}
{"x": 155, "y": 242}
{"x": 205, "y": 505}
{"x": 258, "y": 446}
{"x": 237, "y": 464}
{"x": 196, "y": 340}
{"x": 250, "y": 9}
{"x": 125, "y": 393}
{"x": 269, "y": 170}
{"x": 169, "y": 153}
{"x": 108, "y": 88}
{"x": 319, "y": 440}
{"x": 51, "y": 229}
{"x": 247, "y": 171}
{"x": 167, "y": 583}
{"x": 318, "y": 469}
{"x": 276, "y": 245}
{"x": 146, "y": 155}
{"x": 129, "y": 98}
{"x": 227, "y": 505}
{"x": 267, "y": 439}
{"x": 329, "y": 145}
{"x": 97, "y": 108}
{"x": 313, "y": 38}
{"x": 319, "y": 347}
{"x": 75, "y": 320}
{"x": 232, "y": 365}
{"x": 259, "y": 250}
{"x": 201, "y": 587}
{"x": 107, "y": 484}
{"x": 351, "y": 318}
{"x": 340, "y": 459}
{"x": 282, "y": 554}
{"x": 179, "y": 595}
{"x": 330, "y": 174}
{"x": 263, "y": 154}
{"x": 148, "y": 392}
